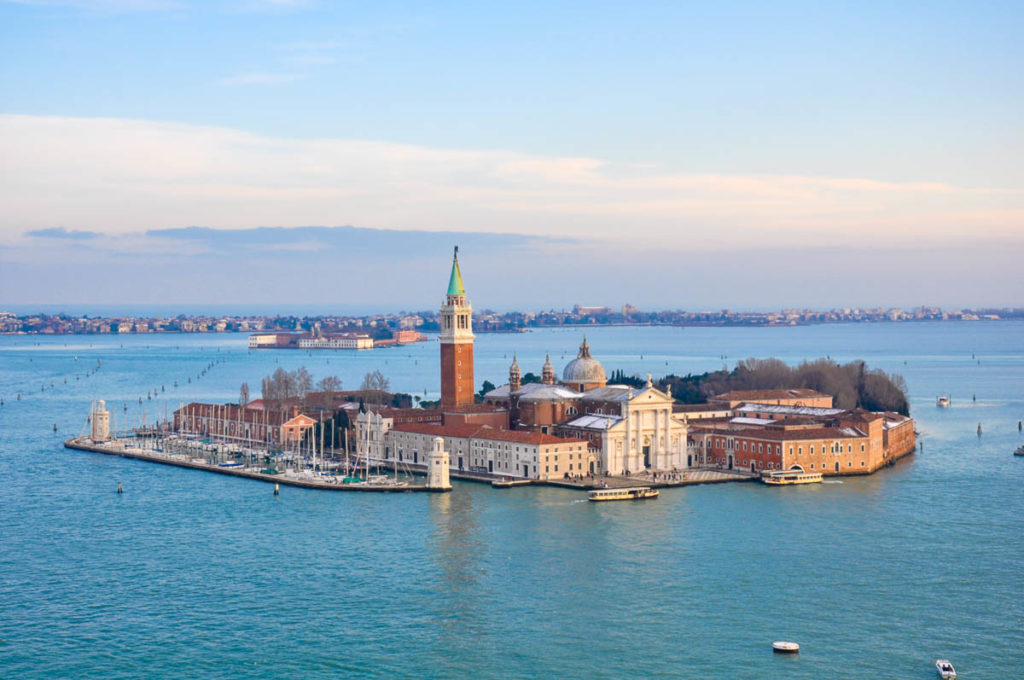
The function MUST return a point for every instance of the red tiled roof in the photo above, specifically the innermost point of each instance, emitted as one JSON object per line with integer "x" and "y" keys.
{"x": 697, "y": 408}
{"x": 785, "y": 435}
{"x": 795, "y": 393}
{"x": 482, "y": 432}
{"x": 475, "y": 408}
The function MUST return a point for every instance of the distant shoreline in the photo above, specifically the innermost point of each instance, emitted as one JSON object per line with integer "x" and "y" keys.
{"x": 47, "y": 331}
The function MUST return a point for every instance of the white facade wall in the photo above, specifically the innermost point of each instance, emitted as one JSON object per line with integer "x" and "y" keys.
{"x": 338, "y": 342}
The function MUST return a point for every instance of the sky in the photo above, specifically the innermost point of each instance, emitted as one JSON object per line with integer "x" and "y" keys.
{"x": 681, "y": 155}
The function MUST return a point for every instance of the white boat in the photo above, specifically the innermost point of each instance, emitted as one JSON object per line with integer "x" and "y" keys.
{"x": 636, "y": 493}
{"x": 945, "y": 669}
{"x": 942, "y": 402}
{"x": 794, "y": 475}
{"x": 785, "y": 647}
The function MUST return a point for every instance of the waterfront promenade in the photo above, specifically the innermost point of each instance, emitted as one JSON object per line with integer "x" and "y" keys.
{"x": 307, "y": 479}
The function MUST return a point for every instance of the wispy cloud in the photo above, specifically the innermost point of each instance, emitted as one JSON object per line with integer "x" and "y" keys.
{"x": 310, "y": 59}
{"x": 263, "y": 79}
{"x": 104, "y": 5}
{"x": 61, "y": 232}
{"x": 314, "y": 45}
{"x": 112, "y": 175}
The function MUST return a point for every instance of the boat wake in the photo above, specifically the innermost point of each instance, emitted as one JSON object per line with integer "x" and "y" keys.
{"x": 832, "y": 481}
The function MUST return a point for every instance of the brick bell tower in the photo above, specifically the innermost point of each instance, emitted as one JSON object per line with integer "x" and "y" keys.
{"x": 456, "y": 343}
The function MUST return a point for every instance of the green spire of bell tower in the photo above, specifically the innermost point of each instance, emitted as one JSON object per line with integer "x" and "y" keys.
{"x": 455, "y": 286}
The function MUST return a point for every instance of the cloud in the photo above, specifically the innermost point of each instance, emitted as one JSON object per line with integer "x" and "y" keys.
{"x": 263, "y": 79}
{"x": 120, "y": 176}
{"x": 61, "y": 232}
{"x": 387, "y": 269}
{"x": 104, "y": 5}
{"x": 311, "y": 60}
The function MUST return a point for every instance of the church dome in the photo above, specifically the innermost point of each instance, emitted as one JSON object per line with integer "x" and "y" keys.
{"x": 584, "y": 368}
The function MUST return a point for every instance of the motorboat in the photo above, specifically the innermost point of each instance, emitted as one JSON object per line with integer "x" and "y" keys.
{"x": 945, "y": 669}
{"x": 785, "y": 647}
{"x": 1019, "y": 451}
{"x": 942, "y": 402}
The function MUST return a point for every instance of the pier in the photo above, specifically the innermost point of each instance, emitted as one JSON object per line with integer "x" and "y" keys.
{"x": 688, "y": 477}
{"x": 304, "y": 479}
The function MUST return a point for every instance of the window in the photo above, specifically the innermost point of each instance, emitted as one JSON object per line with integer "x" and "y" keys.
{"x": 812, "y": 449}
{"x": 812, "y": 466}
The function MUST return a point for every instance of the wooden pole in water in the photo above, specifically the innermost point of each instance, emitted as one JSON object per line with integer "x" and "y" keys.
{"x": 277, "y": 489}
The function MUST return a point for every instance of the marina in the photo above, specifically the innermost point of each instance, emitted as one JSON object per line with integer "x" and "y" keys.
{"x": 307, "y": 479}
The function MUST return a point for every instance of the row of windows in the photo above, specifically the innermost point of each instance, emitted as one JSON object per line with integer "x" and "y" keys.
{"x": 836, "y": 448}
{"x": 849, "y": 463}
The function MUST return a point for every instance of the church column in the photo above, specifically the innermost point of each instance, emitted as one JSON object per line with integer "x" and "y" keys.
{"x": 656, "y": 449}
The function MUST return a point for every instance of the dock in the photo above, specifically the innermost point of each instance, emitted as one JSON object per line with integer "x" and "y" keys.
{"x": 120, "y": 449}
{"x": 688, "y": 477}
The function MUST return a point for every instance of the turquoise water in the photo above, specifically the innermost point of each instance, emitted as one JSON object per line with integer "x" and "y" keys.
{"x": 196, "y": 575}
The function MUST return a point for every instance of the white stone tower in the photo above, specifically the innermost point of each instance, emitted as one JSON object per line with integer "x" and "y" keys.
{"x": 437, "y": 467}
{"x": 100, "y": 422}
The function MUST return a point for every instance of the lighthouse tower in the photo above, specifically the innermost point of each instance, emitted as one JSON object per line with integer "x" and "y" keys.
{"x": 100, "y": 422}
{"x": 456, "y": 343}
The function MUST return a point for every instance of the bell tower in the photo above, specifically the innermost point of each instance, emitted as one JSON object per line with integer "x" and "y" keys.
{"x": 456, "y": 343}
{"x": 515, "y": 378}
{"x": 547, "y": 373}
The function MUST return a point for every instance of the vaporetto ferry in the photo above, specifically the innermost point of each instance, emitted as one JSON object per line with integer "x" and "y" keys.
{"x": 794, "y": 475}
{"x": 633, "y": 493}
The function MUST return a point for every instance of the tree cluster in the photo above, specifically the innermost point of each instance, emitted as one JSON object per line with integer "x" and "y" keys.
{"x": 286, "y": 386}
{"x": 852, "y": 385}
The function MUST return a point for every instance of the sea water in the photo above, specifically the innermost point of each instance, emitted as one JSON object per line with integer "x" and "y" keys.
{"x": 194, "y": 575}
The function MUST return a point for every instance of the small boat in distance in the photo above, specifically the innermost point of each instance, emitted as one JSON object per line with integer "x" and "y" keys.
{"x": 634, "y": 493}
{"x": 942, "y": 402}
{"x": 784, "y": 647}
{"x": 794, "y": 475}
{"x": 1019, "y": 451}
{"x": 945, "y": 669}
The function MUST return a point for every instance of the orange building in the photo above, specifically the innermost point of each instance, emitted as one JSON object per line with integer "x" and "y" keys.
{"x": 832, "y": 441}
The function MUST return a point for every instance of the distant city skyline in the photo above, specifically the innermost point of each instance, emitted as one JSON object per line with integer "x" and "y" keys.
{"x": 692, "y": 156}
